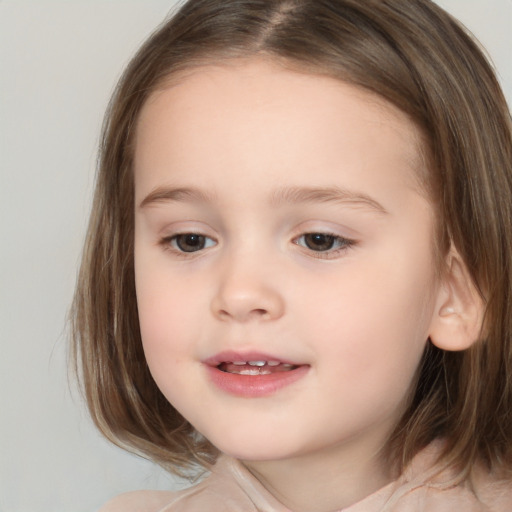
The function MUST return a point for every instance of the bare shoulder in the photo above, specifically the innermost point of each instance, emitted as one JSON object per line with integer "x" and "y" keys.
{"x": 139, "y": 501}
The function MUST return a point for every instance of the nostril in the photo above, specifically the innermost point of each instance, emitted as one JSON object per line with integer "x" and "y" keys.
{"x": 244, "y": 303}
{"x": 253, "y": 313}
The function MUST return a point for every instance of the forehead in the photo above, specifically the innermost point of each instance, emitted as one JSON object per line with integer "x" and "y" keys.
{"x": 229, "y": 113}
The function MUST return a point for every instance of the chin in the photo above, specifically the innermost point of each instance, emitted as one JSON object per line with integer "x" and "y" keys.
{"x": 256, "y": 450}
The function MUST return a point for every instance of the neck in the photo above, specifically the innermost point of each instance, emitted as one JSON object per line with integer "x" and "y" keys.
{"x": 321, "y": 482}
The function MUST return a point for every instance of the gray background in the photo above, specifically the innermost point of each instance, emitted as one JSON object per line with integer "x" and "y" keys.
{"x": 59, "y": 61}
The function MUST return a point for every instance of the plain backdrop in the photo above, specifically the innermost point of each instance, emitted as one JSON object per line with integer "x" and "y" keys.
{"x": 59, "y": 61}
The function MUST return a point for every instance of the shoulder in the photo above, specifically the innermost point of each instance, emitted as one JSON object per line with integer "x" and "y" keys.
{"x": 446, "y": 497}
{"x": 139, "y": 501}
{"x": 427, "y": 487}
{"x": 229, "y": 487}
{"x": 494, "y": 491}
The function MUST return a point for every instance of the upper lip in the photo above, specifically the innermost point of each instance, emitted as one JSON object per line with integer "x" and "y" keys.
{"x": 231, "y": 356}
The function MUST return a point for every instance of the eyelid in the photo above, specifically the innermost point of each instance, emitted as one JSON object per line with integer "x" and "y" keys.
{"x": 345, "y": 244}
{"x": 168, "y": 242}
{"x": 174, "y": 238}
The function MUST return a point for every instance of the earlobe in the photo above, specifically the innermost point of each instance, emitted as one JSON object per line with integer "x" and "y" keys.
{"x": 458, "y": 316}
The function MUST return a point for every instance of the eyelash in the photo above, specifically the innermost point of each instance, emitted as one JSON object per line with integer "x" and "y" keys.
{"x": 343, "y": 244}
{"x": 171, "y": 243}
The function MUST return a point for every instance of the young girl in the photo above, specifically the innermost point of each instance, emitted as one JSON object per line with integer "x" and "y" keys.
{"x": 298, "y": 272}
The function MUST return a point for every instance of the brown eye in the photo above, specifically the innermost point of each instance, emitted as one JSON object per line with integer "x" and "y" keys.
{"x": 319, "y": 241}
{"x": 326, "y": 243}
{"x": 189, "y": 242}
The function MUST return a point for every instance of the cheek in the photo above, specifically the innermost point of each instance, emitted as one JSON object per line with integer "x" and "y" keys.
{"x": 166, "y": 339}
{"x": 164, "y": 309}
{"x": 168, "y": 316}
{"x": 373, "y": 325}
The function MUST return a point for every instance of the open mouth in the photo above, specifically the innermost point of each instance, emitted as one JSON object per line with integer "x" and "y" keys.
{"x": 253, "y": 374}
{"x": 255, "y": 367}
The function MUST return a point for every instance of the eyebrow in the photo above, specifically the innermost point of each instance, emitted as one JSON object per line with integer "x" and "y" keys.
{"x": 167, "y": 194}
{"x": 335, "y": 194}
{"x": 282, "y": 196}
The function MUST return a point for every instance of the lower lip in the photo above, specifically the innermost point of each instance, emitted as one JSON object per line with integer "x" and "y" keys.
{"x": 253, "y": 386}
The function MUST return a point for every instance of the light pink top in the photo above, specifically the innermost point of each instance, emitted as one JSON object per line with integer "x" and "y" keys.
{"x": 232, "y": 488}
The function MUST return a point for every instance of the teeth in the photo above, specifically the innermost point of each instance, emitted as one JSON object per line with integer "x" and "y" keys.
{"x": 258, "y": 365}
{"x": 254, "y": 371}
{"x": 250, "y": 371}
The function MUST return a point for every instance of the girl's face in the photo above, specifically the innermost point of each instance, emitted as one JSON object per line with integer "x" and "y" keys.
{"x": 279, "y": 221}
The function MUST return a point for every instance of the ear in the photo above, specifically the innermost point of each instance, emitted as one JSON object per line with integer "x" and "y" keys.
{"x": 458, "y": 316}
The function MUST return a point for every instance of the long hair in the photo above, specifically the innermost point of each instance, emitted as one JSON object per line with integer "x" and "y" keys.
{"x": 412, "y": 54}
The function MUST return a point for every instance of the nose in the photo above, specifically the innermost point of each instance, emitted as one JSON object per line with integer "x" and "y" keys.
{"x": 247, "y": 292}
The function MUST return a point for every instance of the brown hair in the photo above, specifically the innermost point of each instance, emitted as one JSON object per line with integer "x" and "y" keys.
{"x": 417, "y": 57}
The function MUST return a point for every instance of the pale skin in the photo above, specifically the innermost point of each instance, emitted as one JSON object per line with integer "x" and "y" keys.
{"x": 254, "y": 158}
